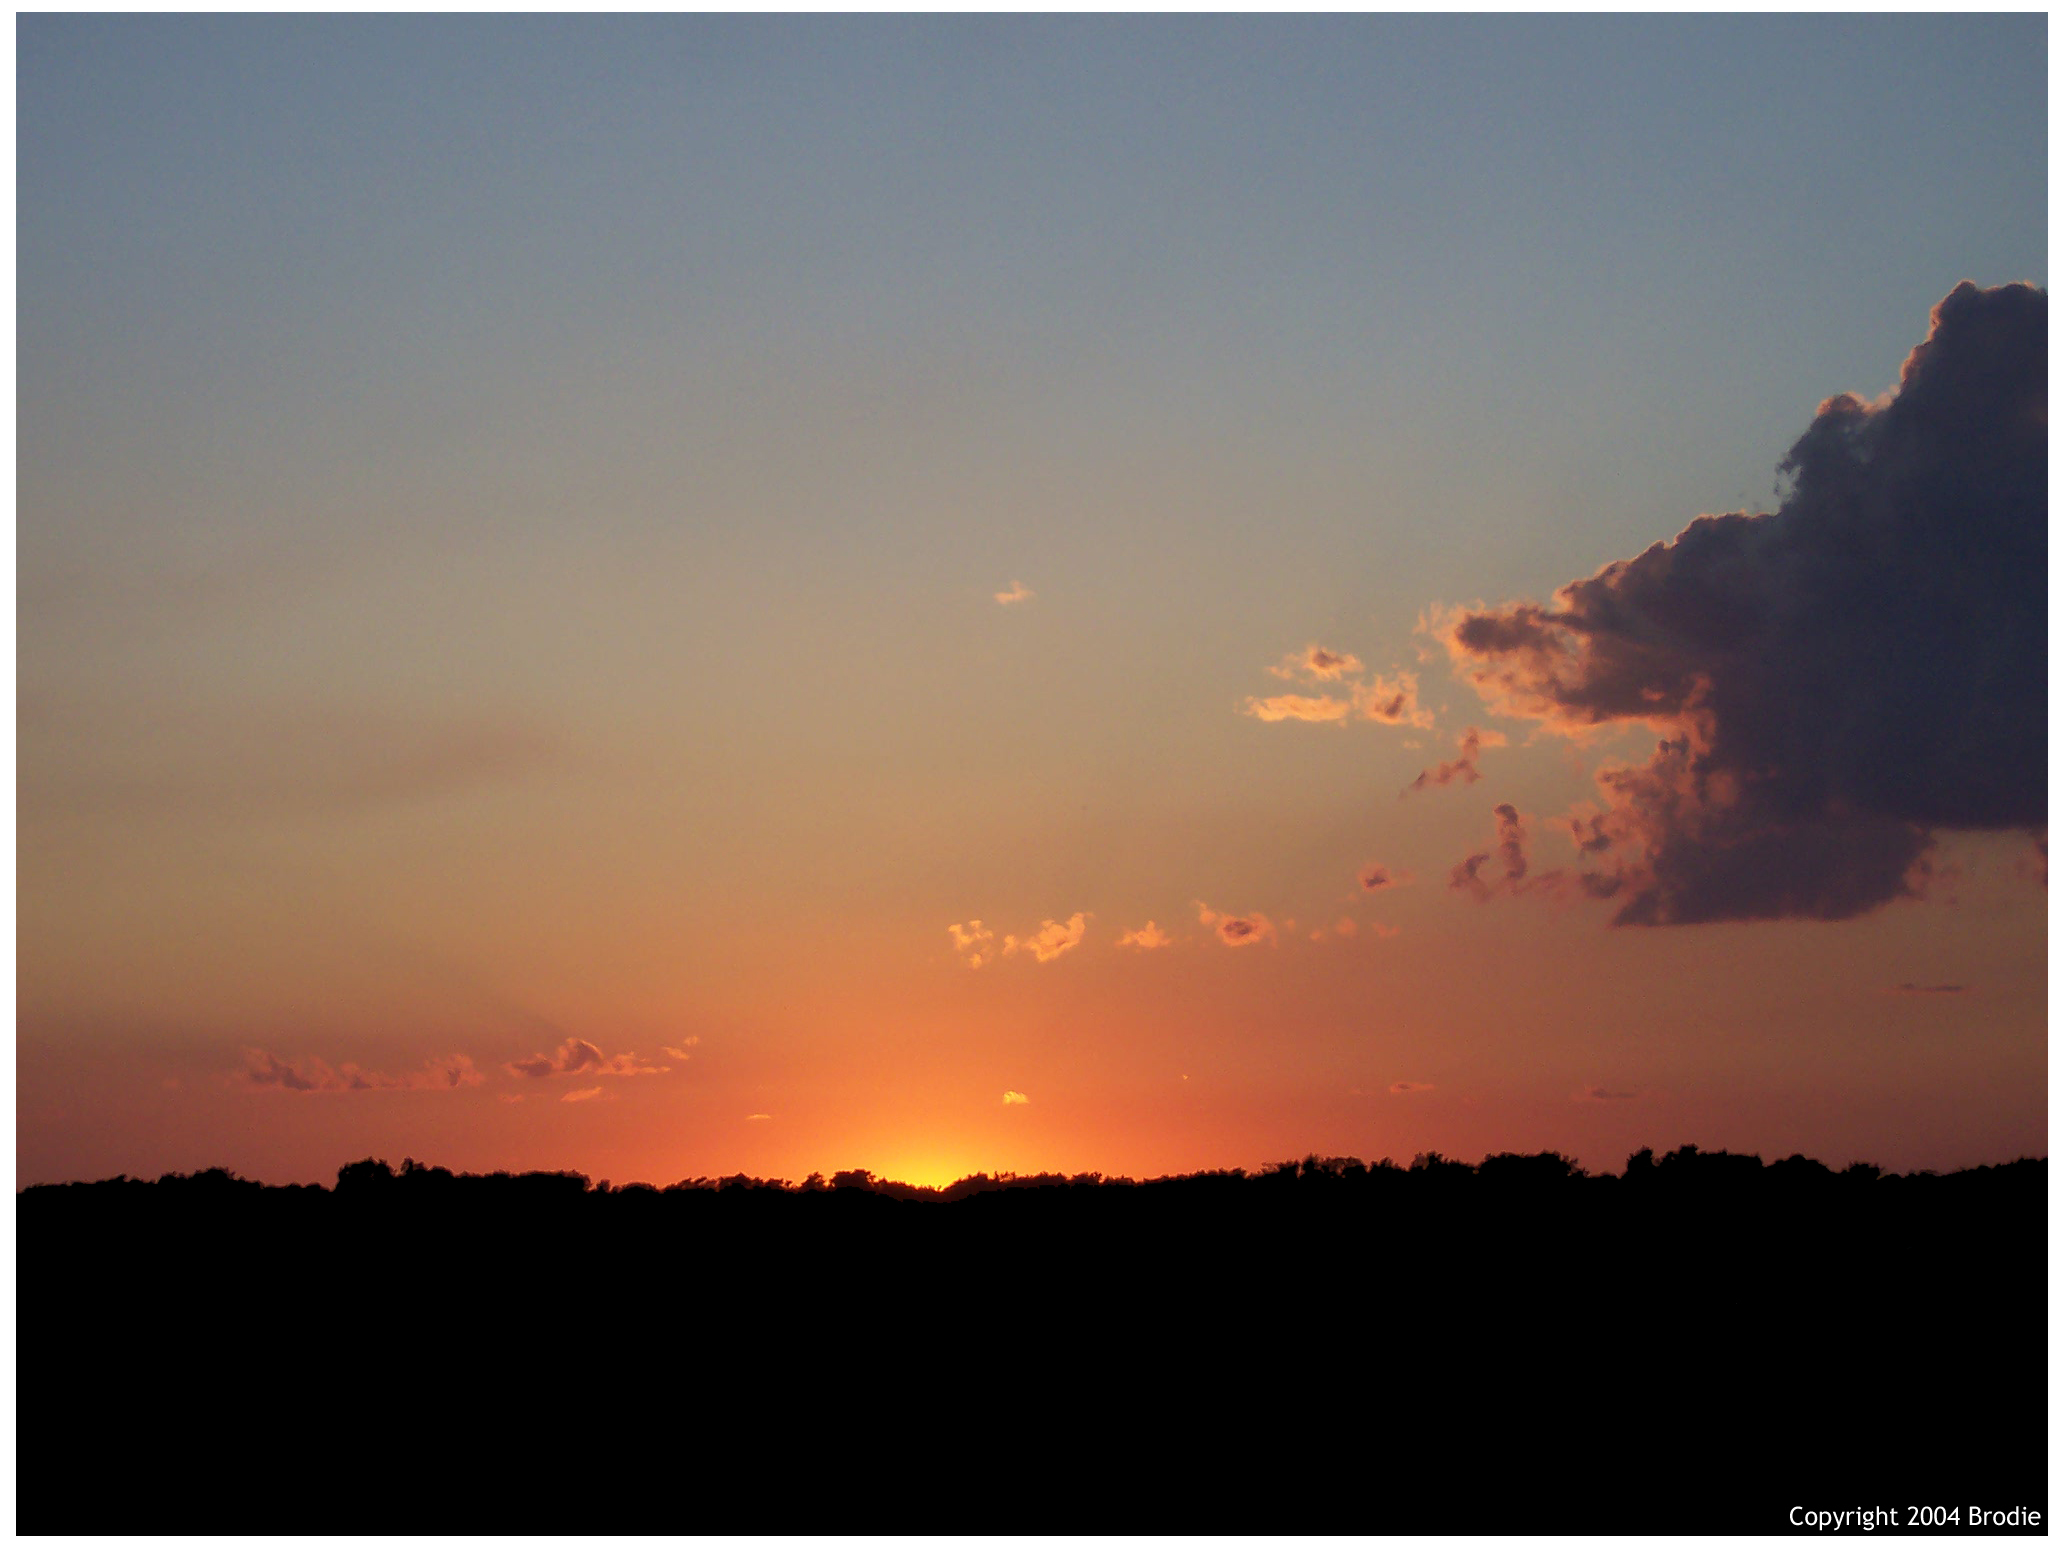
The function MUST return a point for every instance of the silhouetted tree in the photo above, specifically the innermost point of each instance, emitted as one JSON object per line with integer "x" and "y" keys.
{"x": 1433, "y": 1166}
{"x": 1509, "y": 1171}
{"x": 363, "y": 1176}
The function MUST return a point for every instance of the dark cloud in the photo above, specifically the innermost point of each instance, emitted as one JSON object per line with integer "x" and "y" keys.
{"x": 1588, "y": 833}
{"x": 1927, "y": 989}
{"x": 1464, "y": 878}
{"x": 1600, "y": 1094}
{"x": 1408, "y": 1087}
{"x": 1511, "y": 843}
{"x": 1508, "y": 847}
{"x": 1463, "y": 768}
{"x": 1374, "y": 877}
{"x": 1832, "y": 681}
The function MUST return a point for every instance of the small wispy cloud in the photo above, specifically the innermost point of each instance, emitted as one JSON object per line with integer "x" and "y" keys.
{"x": 585, "y": 1094}
{"x": 1019, "y": 592}
{"x": 1374, "y": 877}
{"x": 1509, "y": 845}
{"x": 1600, "y": 1094}
{"x": 1408, "y": 1087}
{"x": 683, "y": 1053}
{"x": 1318, "y": 663}
{"x": 1392, "y": 701}
{"x": 577, "y": 1056}
{"x": 262, "y": 1069}
{"x": 1387, "y": 700}
{"x": 1237, "y": 929}
{"x": 973, "y": 942}
{"x": 1463, "y": 768}
{"x": 1148, "y": 937}
{"x": 1051, "y": 939}
{"x": 1343, "y": 926}
{"x": 759, "y": 1117}
{"x": 1016, "y": 1099}
{"x": 1298, "y": 706}
{"x": 1927, "y": 989}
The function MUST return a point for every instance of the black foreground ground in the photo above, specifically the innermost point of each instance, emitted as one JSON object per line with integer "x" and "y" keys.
{"x": 1707, "y": 1344}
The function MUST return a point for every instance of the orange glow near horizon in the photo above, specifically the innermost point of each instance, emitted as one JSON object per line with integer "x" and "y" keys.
{"x": 1194, "y": 1056}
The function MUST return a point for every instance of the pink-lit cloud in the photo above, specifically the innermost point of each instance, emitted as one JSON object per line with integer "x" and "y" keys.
{"x": 1019, "y": 592}
{"x": 1148, "y": 937}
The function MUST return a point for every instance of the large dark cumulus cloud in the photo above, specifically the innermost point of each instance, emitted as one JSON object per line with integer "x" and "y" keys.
{"x": 1835, "y": 679}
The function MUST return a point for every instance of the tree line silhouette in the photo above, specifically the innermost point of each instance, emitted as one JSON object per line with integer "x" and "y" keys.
{"x": 1695, "y": 1343}
{"x": 1708, "y": 1172}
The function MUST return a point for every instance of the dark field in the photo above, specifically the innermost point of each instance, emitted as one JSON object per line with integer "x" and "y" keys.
{"x": 1699, "y": 1345}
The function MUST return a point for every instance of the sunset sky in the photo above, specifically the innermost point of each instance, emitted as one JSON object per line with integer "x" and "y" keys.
{"x": 683, "y": 596}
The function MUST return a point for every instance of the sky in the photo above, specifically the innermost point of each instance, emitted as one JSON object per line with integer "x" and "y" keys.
{"x": 684, "y": 596}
